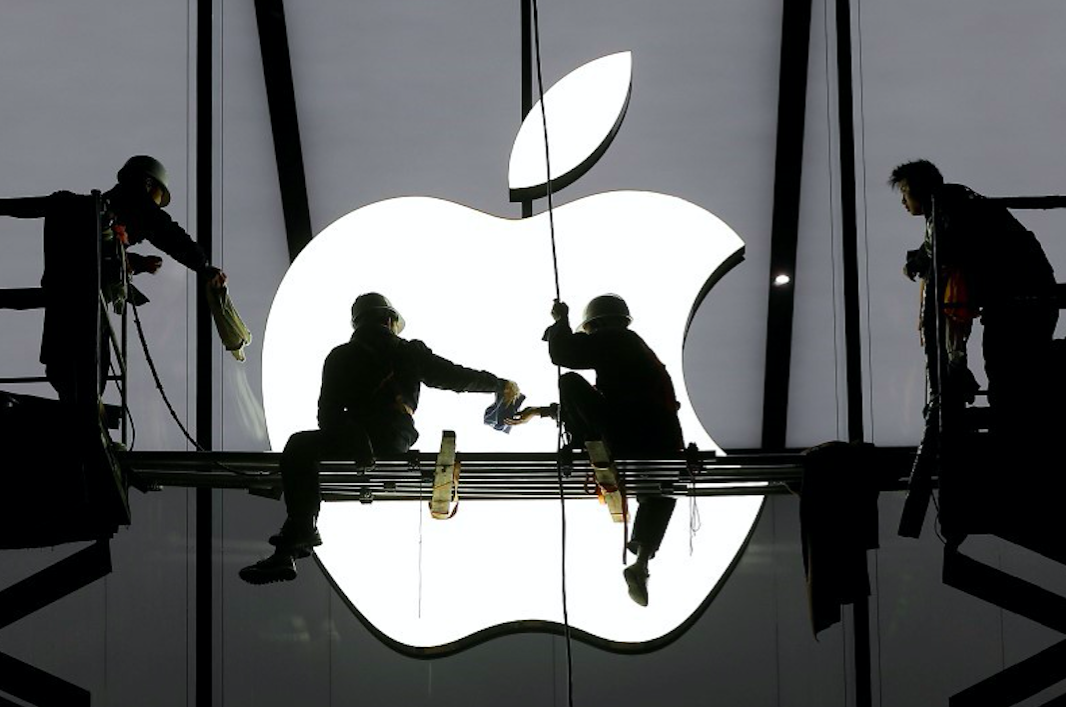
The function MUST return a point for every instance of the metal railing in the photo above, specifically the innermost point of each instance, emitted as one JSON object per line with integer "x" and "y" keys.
{"x": 498, "y": 476}
{"x": 35, "y": 298}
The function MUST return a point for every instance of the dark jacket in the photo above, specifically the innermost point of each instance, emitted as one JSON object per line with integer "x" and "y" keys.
{"x": 377, "y": 376}
{"x": 999, "y": 258}
{"x": 69, "y": 250}
{"x": 633, "y": 381}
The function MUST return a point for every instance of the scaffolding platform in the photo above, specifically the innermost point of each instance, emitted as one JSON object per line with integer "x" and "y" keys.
{"x": 495, "y": 475}
{"x": 58, "y": 487}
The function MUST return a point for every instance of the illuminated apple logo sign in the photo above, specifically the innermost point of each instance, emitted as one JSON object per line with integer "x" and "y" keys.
{"x": 478, "y": 289}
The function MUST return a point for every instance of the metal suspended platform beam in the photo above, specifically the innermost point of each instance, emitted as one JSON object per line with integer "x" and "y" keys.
{"x": 497, "y": 476}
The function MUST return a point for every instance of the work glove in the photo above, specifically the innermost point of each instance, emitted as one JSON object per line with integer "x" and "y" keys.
{"x": 214, "y": 277}
{"x": 143, "y": 263}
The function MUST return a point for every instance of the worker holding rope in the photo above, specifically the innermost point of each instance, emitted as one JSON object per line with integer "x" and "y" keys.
{"x": 632, "y": 408}
{"x": 370, "y": 391}
{"x": 132, "y": 211}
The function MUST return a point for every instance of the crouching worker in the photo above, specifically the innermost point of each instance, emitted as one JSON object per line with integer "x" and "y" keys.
{"x": 632, "y": 408}
{"x": 370, "y": 390}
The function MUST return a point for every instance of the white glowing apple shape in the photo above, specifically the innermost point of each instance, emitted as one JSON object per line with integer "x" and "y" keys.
{"x": 478, "y": 290}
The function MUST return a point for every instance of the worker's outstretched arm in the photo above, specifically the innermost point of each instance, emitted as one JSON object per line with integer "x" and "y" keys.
{"x": 26, "y": 207}
{"x": 438, "y": 372}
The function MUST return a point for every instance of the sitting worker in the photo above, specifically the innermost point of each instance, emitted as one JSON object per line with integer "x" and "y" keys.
{"x": 994, "y": 268}
{"x": 132, "y": 211}
{"x": 632, "y": 408}
{"x": 370, "y": 390}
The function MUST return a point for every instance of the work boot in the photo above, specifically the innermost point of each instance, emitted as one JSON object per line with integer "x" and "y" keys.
{"x": 297, "y": 537}
{"x": 279, "y": 567}
{"x": 636, "y": 576}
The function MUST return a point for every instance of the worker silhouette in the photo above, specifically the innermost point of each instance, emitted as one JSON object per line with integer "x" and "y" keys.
{"x": 132, "y": 212}
{"x": 632, "y": 408}
{"x": 370, "y": 391}
{"x": 994, "y": 269}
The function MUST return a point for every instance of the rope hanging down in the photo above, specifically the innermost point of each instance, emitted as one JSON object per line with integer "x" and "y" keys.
{"x": 170, "y": 408}
{"x": 547, "y": 155}
{"x": 558, "y": 371}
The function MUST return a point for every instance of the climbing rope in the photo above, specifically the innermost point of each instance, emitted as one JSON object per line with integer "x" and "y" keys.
{"x": 159, "y": 384}
{"x": 547, "y": 153}
{"x": 558, "y": 371}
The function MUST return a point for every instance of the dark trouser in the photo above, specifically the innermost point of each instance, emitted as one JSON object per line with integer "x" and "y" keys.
{"x": 586, "y": 416}
{"x": 76, "y": 354}
{"x": 653, "y": 517}
{"x": 73, "y": 383}
{"x": 584, "y": 410}
{"x": 1018, "y": 362}
{"x": 305, "y": 450}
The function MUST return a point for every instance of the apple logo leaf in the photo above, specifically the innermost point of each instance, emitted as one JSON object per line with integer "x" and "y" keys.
{"x": 584, "y": 111}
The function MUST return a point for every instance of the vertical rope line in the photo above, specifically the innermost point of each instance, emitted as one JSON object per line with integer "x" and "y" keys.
{"x": 844, "y": 656}
{"x": 221, "y": 387}
{"x": 189, "y": 120}
{"x": 1002, "y": 611}
{"x": 558, "y": 371}
{"x": 329, "y": 643}
{"x": 188, "y": 674}
{"x": 188, "y": 142}
{"x": 865, "y": 216}
{"x": 420, "y": 482}
{"x": 547, "y": 154}
{"x": 877, "y": 624}
{"x": 832, "y": 216}
{"x": 107, "y": 620}
{"x": 777, "y": 612}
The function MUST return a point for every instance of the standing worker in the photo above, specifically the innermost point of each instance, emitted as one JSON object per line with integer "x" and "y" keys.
{"x": 632, "y": 408}
{"x": 370, "y": 391}
{"x": 131, "y": 212}
{"x": 994, "y": 268}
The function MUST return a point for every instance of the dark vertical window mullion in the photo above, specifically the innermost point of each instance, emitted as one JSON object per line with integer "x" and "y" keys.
{"x": 284, "y": 126}
{"x": 852, "y": 342}
{"x": 788, "y": 170}
{"x": 527, "y": 76}
{"x": 849, "y": 225}
{"x": 204, "y": 659}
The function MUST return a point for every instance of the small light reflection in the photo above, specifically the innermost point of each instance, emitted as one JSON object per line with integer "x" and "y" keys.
{"x": 782, "y": 279}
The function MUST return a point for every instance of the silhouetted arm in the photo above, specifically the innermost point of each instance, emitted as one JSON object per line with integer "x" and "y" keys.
{"x": 438, "y": 372}
{"x": 145, "y": 220}
{"x": 25, "y": 207}
{"x": 569, "y": 349}
{"x": 165, "y": 234}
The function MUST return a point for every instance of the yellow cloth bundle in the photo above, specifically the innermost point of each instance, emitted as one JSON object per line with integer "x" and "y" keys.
{"x": 231, "y": 329}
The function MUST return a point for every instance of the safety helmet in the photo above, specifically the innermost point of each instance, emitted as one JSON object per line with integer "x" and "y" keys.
{"x": 373, "y": 302}
{"x": 608, "y": 305}
{"x": 140, "y": 166}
